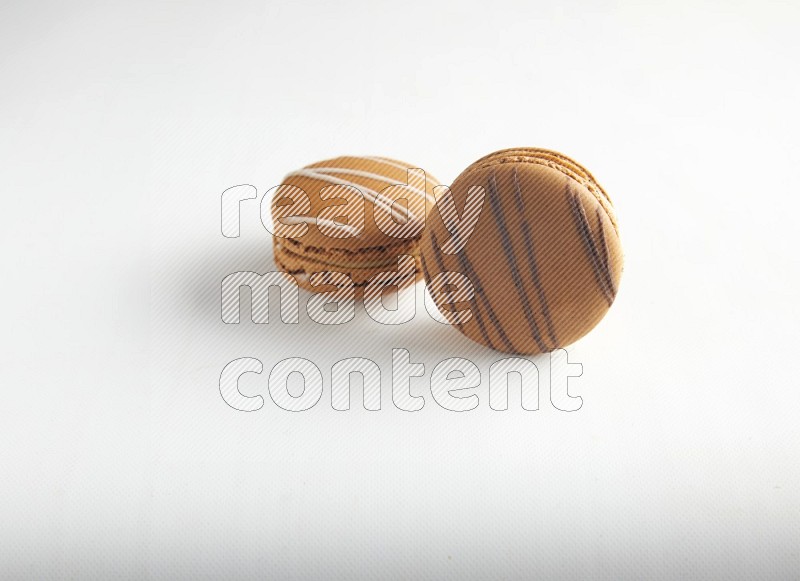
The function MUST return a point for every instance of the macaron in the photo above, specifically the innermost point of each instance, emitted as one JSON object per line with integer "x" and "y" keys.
{"x": 523, "y": 254}
{"x": 351, "y": 215}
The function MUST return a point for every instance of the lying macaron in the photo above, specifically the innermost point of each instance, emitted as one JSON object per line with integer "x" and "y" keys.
{"x": 529, "y": 244}
{"x": 353, "y": 215}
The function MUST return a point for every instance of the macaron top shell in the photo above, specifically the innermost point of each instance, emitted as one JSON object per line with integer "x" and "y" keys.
{"x": 544, "y": 259}
{"x": 354, "y": 203}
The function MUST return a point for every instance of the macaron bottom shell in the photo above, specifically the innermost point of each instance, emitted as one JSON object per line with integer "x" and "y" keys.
{"x": 301, "y": 265}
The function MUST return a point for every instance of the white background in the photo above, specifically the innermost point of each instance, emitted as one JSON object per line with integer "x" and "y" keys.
{"x": 121, "y": 123}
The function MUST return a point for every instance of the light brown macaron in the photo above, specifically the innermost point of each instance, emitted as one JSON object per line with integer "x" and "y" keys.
{"x": 354, "y": 215}
{"x": 537, "y": 238}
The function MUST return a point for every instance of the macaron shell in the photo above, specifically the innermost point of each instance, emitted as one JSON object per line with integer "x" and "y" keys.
{"x": 545, "y": 258}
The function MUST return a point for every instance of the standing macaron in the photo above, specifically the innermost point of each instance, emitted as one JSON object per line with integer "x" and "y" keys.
{"x": 523, "y": 254}
{"x": 351, "y": 215}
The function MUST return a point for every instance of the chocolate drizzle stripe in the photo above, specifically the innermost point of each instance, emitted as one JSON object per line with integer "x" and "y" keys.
{"x": 604, "y": 256}
{"x": 426, "y": 273}
{"x": 437, "y": 254}
{"x": 467, "y": 269}
{"x": 508, "y": 250}
{"x": 585, "y": 234}
{"x": 531, "y": 257}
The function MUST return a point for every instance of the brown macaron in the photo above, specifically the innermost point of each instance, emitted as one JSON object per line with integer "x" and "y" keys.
{"x": 354, "y": 215}
{"x": 528, "y": 243}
